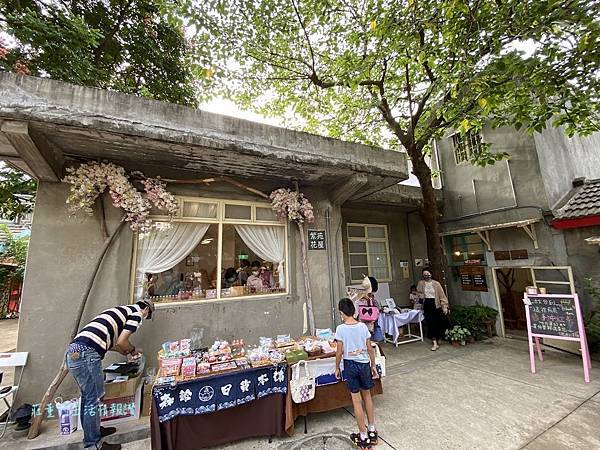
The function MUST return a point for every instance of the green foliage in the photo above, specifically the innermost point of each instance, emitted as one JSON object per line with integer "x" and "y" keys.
{"x": 17, "y": 192}
{"x": 458, "y": 333}
{"x": 592, "y": 317}
{"x": 14, "y": 250}
{"x": 134, "y": 47}
{"x": 474, "y": 318}
{"x": 401, "y": 73}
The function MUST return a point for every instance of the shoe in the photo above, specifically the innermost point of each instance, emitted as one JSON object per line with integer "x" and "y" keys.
{"x": 355, "y": 438}
{"x": 435, "y": 347}
{"x": 373, "y": 437}
{"x": 365, "y": 444}
{"x": 107, "y": 446}
{"x": 107, "y": 431}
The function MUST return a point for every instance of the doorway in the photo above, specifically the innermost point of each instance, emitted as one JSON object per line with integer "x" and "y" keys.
{"x": 511, "y": 282}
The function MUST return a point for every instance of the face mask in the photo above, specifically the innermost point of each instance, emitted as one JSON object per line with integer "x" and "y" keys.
{"x": 255, "y": 273}
{"x": 427, "y": 277}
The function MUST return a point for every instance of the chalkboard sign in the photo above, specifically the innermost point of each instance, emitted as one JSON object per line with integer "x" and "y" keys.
{"x": 554, "y": 316}
{"x": 557, "y": 317}
{"x": 316, "y": 240}
{"x": 472, "y": 278}
{"x": 465, "y": 279}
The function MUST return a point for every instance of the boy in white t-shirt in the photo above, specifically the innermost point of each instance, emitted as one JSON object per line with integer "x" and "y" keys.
{"x": 354, "y": 345}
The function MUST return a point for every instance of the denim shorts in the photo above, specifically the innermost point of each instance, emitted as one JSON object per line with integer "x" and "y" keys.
{"x": 358, "y": 376}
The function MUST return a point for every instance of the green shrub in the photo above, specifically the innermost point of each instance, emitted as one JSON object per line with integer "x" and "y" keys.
{"x": 473, "y": 318}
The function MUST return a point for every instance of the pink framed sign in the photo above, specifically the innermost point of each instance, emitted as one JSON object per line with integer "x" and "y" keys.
{"x": 556, "y": 317}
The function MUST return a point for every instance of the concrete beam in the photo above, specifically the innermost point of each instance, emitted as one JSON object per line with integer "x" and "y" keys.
{"x": 345, "y": 190}
{"x": 36, "y": 151}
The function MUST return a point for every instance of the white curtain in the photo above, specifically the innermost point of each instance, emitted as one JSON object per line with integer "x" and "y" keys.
{"x": 268, "y": 242}
{"x": 162, "y": 250}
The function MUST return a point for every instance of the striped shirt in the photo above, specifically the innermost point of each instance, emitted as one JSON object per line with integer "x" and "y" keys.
{"x": 102, "y": 332}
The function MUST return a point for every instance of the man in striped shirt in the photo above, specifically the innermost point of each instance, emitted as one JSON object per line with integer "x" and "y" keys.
{"x": 108, "y": 331}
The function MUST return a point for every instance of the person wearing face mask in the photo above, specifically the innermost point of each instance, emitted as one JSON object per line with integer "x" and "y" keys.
{"x": 254, "y": 280}
{"x": 435, "y": 307}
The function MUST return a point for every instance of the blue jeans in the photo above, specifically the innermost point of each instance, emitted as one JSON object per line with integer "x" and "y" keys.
{"x": 358, "y": 376}
{"x": 86, "y": 368}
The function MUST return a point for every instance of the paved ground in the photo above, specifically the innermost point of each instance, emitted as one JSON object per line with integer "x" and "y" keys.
{"x": 477, "y": 397}
{"x": 8, "y": 343}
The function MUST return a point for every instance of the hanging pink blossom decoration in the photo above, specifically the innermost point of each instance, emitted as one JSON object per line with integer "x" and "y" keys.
{"x": 292, "y": 205}
{"x": 90, "y": 180}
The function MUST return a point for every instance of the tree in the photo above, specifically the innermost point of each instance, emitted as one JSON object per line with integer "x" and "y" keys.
{"x": 133, "y": 46}
{"x": 17, "y": 193}
{"x": 403, "y": 73}
{"x": 14, "y": 250}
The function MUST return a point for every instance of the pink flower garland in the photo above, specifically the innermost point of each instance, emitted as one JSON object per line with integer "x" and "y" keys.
{"x": 90, "y": 180}
{"x": 292, "y": 206}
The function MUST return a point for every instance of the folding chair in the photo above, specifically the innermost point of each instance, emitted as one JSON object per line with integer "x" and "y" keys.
{"x": 14, "y": 360}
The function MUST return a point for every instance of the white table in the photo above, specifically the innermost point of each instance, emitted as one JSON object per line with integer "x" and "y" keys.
{"x": 390, "y": 323}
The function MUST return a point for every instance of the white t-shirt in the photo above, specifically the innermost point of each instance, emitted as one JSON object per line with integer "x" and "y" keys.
{"x": 354, "y": 337}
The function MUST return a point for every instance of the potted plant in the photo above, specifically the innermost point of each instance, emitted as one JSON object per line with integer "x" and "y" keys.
{"x": 458, "y": 335}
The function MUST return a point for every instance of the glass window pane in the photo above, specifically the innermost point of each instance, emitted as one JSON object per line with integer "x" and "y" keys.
{"x": 194, "y": 278}
{"x": 357, "y": 247}
{"x": 377, "y": 247}
{"x": 378, "y": 260}
{"x": 376, "y": 232}
{"x": 154, "y": 211}
{"x": 356, "y": 231}
{"x": 381, "y": 273}
{"x": 199, "y": 209}
{"x": 240, "y": 212}
{"x": 241, "y": 262}
{"x": 358, "y": 272}
{"x": 266, "y": 214}
{"x": 358, "y": 260}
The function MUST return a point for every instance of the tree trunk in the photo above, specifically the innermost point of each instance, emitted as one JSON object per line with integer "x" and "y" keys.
{"x": 34, "y": 431}
{"x": 309, "y": 305}
{"x": 430, "y": 216}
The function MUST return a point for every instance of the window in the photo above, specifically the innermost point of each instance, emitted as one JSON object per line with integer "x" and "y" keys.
{"x": 368, "y": 251}
{"x": 466, "y": 146}
{"x": 210, "y": 250}
{"x": 465, "y": 247}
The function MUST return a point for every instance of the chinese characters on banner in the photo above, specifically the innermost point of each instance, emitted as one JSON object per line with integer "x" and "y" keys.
{"x": 316, "y": 240}
{"x": 111, "y": 411}
{"x": 215, "y": 393}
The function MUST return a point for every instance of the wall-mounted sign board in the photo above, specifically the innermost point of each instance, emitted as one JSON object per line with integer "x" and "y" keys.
{"x": 472, "y": 278}
{"x": 557, "y": 317}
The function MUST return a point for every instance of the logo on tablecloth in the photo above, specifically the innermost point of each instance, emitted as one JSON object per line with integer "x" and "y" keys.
{"x": 262, "y": 380}
{"x": 206, "y": 393}
{"x": 185, "y": 396}
{"x": 226, "y": 389}
{"x": 245, "y": 385}
{"x": 166, "y": 400}
{"x": 278, "y": 376}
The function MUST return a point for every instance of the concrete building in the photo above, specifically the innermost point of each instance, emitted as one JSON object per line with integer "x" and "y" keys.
{"x": 501, "y": 223}
{"x": 368, "y": 220}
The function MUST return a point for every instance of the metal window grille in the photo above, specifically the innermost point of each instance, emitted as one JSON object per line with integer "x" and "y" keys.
{"x": 466, "y": 146}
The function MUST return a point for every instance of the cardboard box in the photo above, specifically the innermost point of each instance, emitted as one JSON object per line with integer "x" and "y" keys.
{"x": 117, "y": 410}
{"x": 122, "y": 389}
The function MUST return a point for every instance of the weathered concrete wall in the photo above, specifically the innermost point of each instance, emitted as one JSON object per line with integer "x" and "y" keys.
{"x": 471, "y": 189}
{"x": 402, "y": 245}
{"x": 562, "y": 159}
{"x": 61, "y": 257}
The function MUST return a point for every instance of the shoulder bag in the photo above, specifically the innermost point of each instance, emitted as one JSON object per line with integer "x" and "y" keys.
{"x": 302, "y": 386}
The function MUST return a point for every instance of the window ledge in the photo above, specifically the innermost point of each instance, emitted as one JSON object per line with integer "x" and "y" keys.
{"x": 183, "y": 303}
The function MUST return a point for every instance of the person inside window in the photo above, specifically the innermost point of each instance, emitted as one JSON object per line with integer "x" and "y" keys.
{"x": 266, "y": 274}
{"x": 230, "y": 278}
{"x": 243, "y": 272}
{"x": 254, "y": 280}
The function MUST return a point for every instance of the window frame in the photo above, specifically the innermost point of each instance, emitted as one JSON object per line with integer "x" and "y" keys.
{"x": 220, "y": 220}
{"x": 366, "y": 240}
{"x": 464, "y": 248}
{"x": 464, "y": 145}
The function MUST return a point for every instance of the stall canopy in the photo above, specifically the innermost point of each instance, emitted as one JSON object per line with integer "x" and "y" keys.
{"x": 483, "y": 231}
{"x": 46, "y": 124}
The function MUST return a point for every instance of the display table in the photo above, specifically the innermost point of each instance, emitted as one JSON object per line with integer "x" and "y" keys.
{"x": 328, "y": 397}
{"x": 390, "y": 323}
{"x": 219, "y": 409}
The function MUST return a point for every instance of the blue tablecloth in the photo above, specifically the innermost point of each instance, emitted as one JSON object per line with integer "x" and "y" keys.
{"x": 214, "y": 393}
